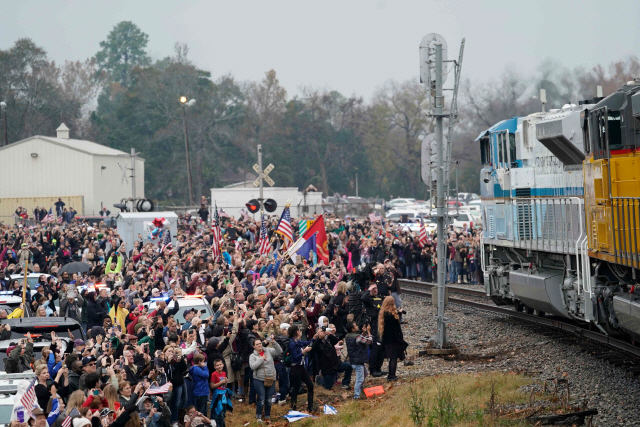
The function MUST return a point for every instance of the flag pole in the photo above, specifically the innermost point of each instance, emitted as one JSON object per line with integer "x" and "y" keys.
{"x": 24, "y": 288}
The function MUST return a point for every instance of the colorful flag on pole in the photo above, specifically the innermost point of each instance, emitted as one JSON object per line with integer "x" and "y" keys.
{"x": 284, "y": 227}
{"x": 303, "y": 226}
{"x": 322, "y": 244}
{"x": 217, "y": 234}
{"x": 245, "y": 215}
{"x": 264, "y": 244}
{"x": 308, "y": 248}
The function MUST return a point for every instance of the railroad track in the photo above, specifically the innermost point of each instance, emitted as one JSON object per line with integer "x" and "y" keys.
{"x": 599, "y": 344}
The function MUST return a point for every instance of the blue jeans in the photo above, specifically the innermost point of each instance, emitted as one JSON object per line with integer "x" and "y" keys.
{"x": 357, "y": 389}
{"x": 452, "y": 271}
{"x": 328, "y": 379}
{"x": 458, "y": 270}
{"x": 396, "y": 299}
{"x": 263, "y": 397}
{"x": 179, "y": 401}
{"x": 283, "y": 380}
{"x": 248, "y": 380}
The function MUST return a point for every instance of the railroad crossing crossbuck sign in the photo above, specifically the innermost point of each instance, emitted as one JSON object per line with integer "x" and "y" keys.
{"x": 264, "y": 175}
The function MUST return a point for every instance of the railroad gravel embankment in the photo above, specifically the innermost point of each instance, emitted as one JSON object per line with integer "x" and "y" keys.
{"x": 490, "y": 342}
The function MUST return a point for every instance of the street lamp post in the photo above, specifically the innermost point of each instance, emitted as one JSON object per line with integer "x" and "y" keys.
{"x": 187, "y": 103}
{"x": 3, "y": 107}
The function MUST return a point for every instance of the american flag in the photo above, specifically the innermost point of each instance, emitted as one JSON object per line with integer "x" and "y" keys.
{"x": 264, "y": 238}
{"x": 60, "y": 219}
{"x": 284, "y": 227}
{"x": 375, "y": 217}
{"x": 223, "y": 214}
{"x": 155, "y": 389}
{"x": 166, "y": 242}
{"x": 245, "y": 215}
{"x": 50, "y": 217}
{"x": 67, "y": 421}
{"x": 28, "y": 399}
{"x": 423, "y": 235}
{"x": 217, "y": 234}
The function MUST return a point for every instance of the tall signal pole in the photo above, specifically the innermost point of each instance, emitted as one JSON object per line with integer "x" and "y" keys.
{"x": 435, "y": 159}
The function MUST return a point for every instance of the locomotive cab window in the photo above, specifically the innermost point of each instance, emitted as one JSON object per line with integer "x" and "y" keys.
{"x": 512, "y": 147}
{"x": 485, "y": 151}
{"x": 615, "y": 132}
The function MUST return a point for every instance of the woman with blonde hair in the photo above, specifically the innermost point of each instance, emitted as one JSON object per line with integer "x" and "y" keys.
{"x": 390, "y": 333}
{"x": 111, "y": 396}
{"x": 76, "y": 400}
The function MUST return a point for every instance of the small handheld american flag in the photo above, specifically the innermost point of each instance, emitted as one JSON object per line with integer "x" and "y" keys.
{"x": 423, "y": 235}
{"x": 67, "y": 421}
{"x": 217, "y": 234}
{"x": 264, "y": 239}
{"x": 284, "y": 227}
{"x": 166, "y": 242}
{"x": 50, "y": 217}
{"x": 28, "y": 399}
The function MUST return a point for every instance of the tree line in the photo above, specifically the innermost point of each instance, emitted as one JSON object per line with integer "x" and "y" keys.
{"x": 122, "y": 98}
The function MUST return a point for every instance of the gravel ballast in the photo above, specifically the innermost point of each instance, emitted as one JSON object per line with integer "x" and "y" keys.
{"x": 490, "y": 342}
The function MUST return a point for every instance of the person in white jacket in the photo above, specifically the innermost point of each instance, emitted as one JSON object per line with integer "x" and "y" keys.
{"x": 264, "y": 374}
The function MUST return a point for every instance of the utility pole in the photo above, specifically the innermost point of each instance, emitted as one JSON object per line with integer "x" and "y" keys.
{"x": 185, "y": 103}
{"x": 356, "y": 185}
{"x": 435, "y": 160}
{"x": 441, "y": 336}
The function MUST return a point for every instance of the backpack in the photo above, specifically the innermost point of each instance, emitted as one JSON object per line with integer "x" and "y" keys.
{"x": 236, "y": 361}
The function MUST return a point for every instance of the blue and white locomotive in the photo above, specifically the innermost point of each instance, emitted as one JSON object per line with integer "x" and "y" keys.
{"x": 532, "y": 191}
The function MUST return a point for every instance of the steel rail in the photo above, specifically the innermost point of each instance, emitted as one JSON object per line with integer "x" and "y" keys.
{"x": 455, "y": 289}
{"x": 574, "y": 329}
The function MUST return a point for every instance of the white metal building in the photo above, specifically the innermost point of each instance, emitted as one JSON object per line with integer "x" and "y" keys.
{"x": 43, "y": 166}
{"x": 233, "y": 198}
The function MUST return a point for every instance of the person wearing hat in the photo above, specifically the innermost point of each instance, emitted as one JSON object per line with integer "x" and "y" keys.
{"x": 188, "y": 315}
{"x": 20, "y": 356}
{"x": 40, "y": 417}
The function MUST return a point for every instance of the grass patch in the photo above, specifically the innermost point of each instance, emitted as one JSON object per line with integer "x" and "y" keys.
{"x": 456, "y": 401}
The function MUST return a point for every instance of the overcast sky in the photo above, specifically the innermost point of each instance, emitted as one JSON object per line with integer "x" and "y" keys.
{"x": 353, "y": 46}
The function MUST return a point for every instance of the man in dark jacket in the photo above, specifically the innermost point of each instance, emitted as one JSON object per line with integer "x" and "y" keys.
{"x": 281, "y": 368}
{"x": 330, "y": 364}
{"x": 357, "y": 344}
{"x": 247, "y": 337}
{"x": 175, "y": 374}
{"x": 74, "y": 376}
{"x": 372, "y": 303}
{"x": 20, "y": 356}
{"x": 95, "y": 311}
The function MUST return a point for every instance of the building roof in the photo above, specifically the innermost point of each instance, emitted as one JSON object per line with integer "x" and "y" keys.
{"x": 166, "y": 214}
{"x": 82, "y": 145}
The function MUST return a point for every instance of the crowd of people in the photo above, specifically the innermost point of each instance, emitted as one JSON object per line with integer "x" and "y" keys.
{"x": 278, "y": 328}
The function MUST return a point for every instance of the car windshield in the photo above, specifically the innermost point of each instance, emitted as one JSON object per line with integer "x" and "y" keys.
{"x": 185, "y": 304}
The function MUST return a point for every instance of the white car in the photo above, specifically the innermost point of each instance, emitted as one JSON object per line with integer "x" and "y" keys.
{"x": 186, "y": 302}
{"x": 398, "y": 203}
{"x": 32, "y": 278}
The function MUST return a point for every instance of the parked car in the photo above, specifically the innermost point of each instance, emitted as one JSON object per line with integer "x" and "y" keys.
{"x": 41, "y": 328}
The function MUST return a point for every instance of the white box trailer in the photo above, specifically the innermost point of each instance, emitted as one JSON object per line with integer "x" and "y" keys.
{"x": 130, "y": 224}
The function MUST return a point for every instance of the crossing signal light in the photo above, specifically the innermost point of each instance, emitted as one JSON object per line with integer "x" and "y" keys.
{"x": 270, "y": 205}
{"x": 253, "y": 206}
